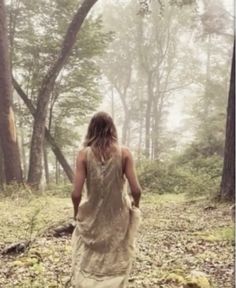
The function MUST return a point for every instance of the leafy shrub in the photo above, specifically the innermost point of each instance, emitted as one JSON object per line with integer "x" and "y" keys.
{"x": 16, "y": 191}
{"x": 60, "y": 190}
{"x": 199, "y": 176}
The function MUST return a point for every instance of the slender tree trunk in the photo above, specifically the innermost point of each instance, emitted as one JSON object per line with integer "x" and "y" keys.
{"x": 57, "y": 172}
{"x": 228, "y": 178}
{"x": 156, "y": 117}
{"x": 45, "y": 158}
{"x": 148, "y": 116}
{"x": 8, "y": 136}
{"x": 2, "y": 176}
{"x": 125, "y": 128}
{"x": 155, "y": 132}
{"x": 23, "y": 153}
{"x": 55, "y": 148}
{"x": 140, "y": 120}
{"x": 35, "y": 167}
{"x": 140, "y": 137}
{"x": 208, "y": 76}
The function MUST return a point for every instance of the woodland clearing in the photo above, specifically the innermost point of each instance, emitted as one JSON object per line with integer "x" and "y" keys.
{"x": 180, "y": 240}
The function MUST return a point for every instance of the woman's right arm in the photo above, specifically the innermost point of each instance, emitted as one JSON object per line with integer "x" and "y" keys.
{"x": 80, "y": 175}
{"x": 130, "y": 173}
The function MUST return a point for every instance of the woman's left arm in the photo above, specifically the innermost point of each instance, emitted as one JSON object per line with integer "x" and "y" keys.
{"x": 80, "y": 176}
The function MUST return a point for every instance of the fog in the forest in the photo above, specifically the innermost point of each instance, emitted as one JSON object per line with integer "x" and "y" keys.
{"x": 160, "y": 68}
{"x": 192, "y": 50}
{"x": 165, "y": 71}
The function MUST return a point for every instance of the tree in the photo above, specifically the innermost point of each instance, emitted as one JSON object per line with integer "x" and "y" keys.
{"x": 118, "y": 63}
{"x": 228, "y": 178}
{"x": 55, "y": 148}
{"x": 161, "y": 62}
{"x": 140, "y": 65}
{"x": 36, "y": 151}
{"x": 76, "y": 91}
{"x": 10, "y": 149}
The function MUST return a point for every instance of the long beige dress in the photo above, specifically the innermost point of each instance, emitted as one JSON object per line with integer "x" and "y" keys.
{"x": 103, "y": 240}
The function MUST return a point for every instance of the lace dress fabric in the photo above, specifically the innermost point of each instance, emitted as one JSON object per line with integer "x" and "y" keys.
{"x": 103, "y": 242}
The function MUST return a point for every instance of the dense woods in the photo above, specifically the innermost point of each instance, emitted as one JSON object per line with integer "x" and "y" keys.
{"x": 164, "y": 70}
{"x": 165, "y": 81}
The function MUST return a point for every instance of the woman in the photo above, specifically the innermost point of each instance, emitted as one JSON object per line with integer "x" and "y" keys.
{"x": 107, "y": 220}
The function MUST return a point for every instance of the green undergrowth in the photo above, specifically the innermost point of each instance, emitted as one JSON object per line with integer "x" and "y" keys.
{"x": 24, "y": 218}
{"x": 217, "y": 234}
{"x": 182, "y": 242}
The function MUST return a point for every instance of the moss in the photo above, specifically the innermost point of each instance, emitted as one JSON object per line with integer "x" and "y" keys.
{"x": 176, "y": 278}
{"x": 197, "y": 281}
{"x": 218, "y": 234}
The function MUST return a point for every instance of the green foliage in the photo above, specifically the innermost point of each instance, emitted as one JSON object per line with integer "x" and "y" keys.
{"x": 16, "y": 191}
{"x": 62, "y": 190}
{"x": 218, "y": 234}
{"x": 24, "y": 192}
{"x": 37, "y": 29}
{"x": 158, "y": 177}
{"x": 195, "y": 177}
{"x": 171, "y": 253}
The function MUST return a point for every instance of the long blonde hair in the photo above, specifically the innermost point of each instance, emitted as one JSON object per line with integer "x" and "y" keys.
{"x": 101, "y": 135}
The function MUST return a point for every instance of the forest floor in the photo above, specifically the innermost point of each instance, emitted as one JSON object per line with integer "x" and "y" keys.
{"x": 180, "y": 240}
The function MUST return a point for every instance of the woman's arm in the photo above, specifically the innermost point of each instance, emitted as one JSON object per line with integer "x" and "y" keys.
{"x": 80, "y": 175}
{"x": 130, "y": 173}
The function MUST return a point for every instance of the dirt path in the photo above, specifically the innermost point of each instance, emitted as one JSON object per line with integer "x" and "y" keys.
{"x": 177, "y": 239}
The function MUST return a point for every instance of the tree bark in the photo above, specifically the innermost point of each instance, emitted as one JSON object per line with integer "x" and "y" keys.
{"x": 2, "y": 176}
{"x": 55, "y": 148}
{"x": 45, "y": 158}
{"x": 126, "y": 126}
{"x": 35, "y": 168}
{"x": 228, "y": 176}
{"x": 8, "y": 136}
{"x": 23, "y": 154}
{"x": 208, "y": 78}
{"x": 148, "y": 115}
{"x": 57, "y": 176}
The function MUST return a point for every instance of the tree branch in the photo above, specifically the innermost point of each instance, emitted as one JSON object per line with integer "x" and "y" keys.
{"x": 55, "y": 148}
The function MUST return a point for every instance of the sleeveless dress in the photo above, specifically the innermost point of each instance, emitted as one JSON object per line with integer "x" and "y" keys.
{"x": 103, "y": 241}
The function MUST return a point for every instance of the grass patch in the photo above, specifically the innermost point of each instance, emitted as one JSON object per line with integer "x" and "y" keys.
{"x": 218, "y": 234}
{"x": 153, "y": 198}
{"x": 22, "y": 217}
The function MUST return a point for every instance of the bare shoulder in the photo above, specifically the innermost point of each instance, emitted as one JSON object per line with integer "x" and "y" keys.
{"x": 126, "y": 153}
{"x": 81, "y": 155}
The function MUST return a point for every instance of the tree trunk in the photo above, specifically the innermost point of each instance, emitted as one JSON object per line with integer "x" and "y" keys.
{"x": 55, "y": 148}
{"x": 45, "y": 158}
{"x": 23, "y": 154}
{"x": 148, "y": 115}
{"x": 157, "y": 111}
{"x": 208, "y": 77}
{"x": 8, "y": 139}
{"x": 56, "y": 172}
{"x": 125, "y": 128}
{"x": 35, "y": 168}
{"x": 228, "y": 177}
{"x": 2, "y": 176}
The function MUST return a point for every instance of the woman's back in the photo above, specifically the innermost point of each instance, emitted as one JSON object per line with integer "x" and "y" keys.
{"x": 106, "y": 204}
{"x": 103, "y": 240}
{"x": 105, "y": 181}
